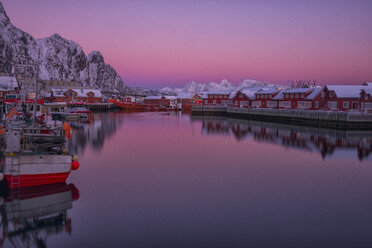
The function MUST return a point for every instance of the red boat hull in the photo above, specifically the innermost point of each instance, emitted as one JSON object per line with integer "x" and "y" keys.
{"x": 36, "y": 179}
{"x": 130, "y": 105}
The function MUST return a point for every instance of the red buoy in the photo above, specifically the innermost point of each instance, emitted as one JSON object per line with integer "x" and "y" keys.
{"x": 75, "y": 165}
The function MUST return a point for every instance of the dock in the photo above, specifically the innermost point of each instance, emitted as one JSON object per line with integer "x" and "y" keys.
{"x": 321, "y": 118}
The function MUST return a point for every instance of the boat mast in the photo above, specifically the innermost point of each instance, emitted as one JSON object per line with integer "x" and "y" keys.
{"x": 36, "y": 92}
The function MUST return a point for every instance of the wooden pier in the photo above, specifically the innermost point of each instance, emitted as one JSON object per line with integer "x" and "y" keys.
{"x": 100, "y": 107}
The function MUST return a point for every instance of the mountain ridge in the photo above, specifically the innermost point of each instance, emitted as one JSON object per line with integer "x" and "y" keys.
{"x": 54, "y": 58}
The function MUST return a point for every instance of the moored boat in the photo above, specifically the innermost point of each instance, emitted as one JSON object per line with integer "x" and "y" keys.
{"x": 35, "y": 156}
{"x": 130, "y": 105}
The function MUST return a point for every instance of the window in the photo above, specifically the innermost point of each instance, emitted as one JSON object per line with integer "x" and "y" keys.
{"x": 362, "y": 105}
{"x": 214, "y": 102}
{"x": 241, "y": 95}
{"x": 332, "y": 105}
{"x": 346, "y": 104}
{"x": 302, "y": 95}
{"x": 205, "y": 101}
{"x": 236, "y": 102}
{"x": 220, "y": 96}
{"x": 316, "y": 104}
{"x": 323, "y": 94}
{"x": 366, "y": 97}
{"x": 292, "y": 95}
{"x": 296, "y": 95}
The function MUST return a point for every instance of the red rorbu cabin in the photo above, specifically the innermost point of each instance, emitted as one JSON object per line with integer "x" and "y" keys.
{"x": 366, "y": 100}
{"x": 343, "y": 97}
{"x": 217, "y": 98}
{"x": 294, "y": 98}
{"x": 264, "y": 98}
{"x": 243, "y": 98}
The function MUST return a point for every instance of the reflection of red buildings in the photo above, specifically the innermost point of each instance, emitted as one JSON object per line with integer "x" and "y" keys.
{"x": 292, "y": 137}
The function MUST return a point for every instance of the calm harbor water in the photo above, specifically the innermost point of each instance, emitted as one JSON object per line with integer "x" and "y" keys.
{"x": 172, "y": 180}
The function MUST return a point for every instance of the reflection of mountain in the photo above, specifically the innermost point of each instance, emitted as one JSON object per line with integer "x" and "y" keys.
{"x": 99, "y": 127}
{"x": 30, "y": 214}
{"x": 328, "y": 142}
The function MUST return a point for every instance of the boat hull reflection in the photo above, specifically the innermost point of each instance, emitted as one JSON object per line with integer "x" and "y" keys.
{"x": 31, "y": 214}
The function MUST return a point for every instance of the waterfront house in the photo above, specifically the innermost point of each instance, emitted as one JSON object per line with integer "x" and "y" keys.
{"x": 315, "y": 100}
{"x": 294, "y": 98}
{"x": 243, "y": 98}
{"x": 188, "y": 98}
{"x": 343, "y": 97}
{"x": 216, "y": 98}
{"x": 264, "y": 98}
{"x": 74, "y": 96}
{"x": 366, "y": 100}
{"x": 156, "y": 100}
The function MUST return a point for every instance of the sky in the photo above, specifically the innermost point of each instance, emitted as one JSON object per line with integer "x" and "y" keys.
{"x": 170, "y": 42}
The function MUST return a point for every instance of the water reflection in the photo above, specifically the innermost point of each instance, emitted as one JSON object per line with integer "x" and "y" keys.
{"x": 30, "y": 215}
{"x": 93, "y": 132}
{"x": 330, "y": 143}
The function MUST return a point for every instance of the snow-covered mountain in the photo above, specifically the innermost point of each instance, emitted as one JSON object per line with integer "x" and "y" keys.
{"x": 224, "y": 85}
{"x": 55, "y": 58}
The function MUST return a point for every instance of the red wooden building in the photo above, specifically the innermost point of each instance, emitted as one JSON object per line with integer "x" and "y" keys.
{"x": 74, "y": 96}
{"x": 243, "y": 98}
{"x": 366, "y": 100}
{"x": 314, "y": 101}
{"x": 343, "y": 97}
{"x": 294, "y": 98}
{"x": 264, "y": 98}
{"x": 217, "y": 98}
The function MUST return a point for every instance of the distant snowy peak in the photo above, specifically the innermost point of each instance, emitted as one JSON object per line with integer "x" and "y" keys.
{"x": 224, "y": 85}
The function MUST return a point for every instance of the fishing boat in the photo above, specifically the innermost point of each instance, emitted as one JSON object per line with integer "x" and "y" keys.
{"x": 35, "y": 156}
{"x": 130, "y": 105}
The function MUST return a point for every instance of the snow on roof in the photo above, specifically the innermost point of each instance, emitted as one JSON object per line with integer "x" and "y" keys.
{"x": 298, "y": 90}
{"x": 279, "y": 96}
{"x": 186, "y": 95}
{"x": 80, "y": 92}
{"x": 170, "y": 97}
{"x": 153, "y": 97}
{"x": 268, "y": 90}
{"x": 250, "y": 92}
{"x": 368, "y": 91}
{"x": 8, "y": 83}
{"x": 313, "y": 94}
{"x": 218, "y": 93}
{"x": 347, "y": 91}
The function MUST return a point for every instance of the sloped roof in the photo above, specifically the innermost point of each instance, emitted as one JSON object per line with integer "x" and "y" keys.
{"x": 268, "y": 90}
{"x": 298, "y": 90}
{"x": 8, "y": 83}
{"x": 80, "y": 92}
{"x": 249, "y": 92}
{"x": 218, "y": 93}
{"x": 313, "y": 94}
{"x": 347, "y": 91}
{"x": 279, "y": 96}
{"x": 186, "y": 95}
{"x": 368, "y": 91}
{"x": 153, "y": 97}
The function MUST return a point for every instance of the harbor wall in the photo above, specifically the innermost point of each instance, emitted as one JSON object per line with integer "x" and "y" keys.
{"x": 340, "y": 120}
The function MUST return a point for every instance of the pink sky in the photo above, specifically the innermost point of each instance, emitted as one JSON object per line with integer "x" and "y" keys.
{"x": 170, "y": 43}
